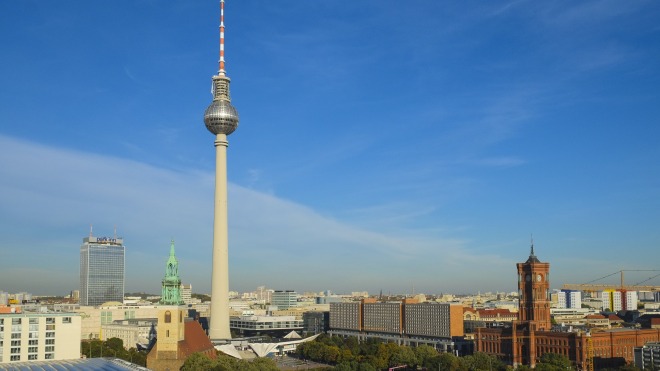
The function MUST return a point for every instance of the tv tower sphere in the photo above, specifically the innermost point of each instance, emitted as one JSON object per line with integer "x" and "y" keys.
{"x": 221, "y": 117}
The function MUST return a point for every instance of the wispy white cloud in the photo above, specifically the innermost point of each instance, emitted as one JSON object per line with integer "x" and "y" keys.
{"x": 60, "y": 192}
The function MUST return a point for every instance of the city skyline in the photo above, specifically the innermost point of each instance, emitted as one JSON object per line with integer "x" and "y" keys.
{"x": 381, "y": 146}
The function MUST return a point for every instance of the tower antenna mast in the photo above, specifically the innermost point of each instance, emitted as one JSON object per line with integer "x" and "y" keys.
{"x": 221, "y": 61}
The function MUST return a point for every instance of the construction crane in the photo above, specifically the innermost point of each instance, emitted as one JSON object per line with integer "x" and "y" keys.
{"x": 590, "y": 286}
{"x": 590, "y": 354}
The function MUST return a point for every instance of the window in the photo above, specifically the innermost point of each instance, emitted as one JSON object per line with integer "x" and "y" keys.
{"x": 16, "y": 335}
{"x": 32, "y": 357}
{"x": 50, "y": 327}
{"x": 33, "y": 342}
{"x": 15, "y": 358}
{"x": 15, "y": 350}
{"x": 50, "y": 320}
{"x": 15, "y": 321}
{"x": 50, "y": 334}
{"x": 16, "y": 343}
{"x": 50, "y": 348}
{"x": 168, "y": 316}
{"x": 32, "y": 349}
{"x": 50, "y": 341}
{"x": 66, "y": 320}
{"x": 49, "y": 356}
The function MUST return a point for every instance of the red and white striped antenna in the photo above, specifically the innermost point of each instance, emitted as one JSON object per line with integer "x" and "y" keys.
{"x": 221, "y": 70}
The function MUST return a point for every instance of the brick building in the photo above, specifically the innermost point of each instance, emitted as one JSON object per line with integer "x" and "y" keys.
{"x": 528, "y": 338}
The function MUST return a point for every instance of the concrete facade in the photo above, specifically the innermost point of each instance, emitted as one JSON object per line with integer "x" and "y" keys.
{"x": 26, "y": 337}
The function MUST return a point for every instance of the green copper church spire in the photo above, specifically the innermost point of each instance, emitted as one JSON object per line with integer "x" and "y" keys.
{"x": 171, "y": 294}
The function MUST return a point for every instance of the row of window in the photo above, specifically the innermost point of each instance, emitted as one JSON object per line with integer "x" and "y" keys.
{"x": 16, "y": 322}
{"x": 31, "y": 357}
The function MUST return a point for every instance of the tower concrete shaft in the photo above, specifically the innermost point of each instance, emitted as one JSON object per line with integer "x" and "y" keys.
{"x": 219, "y": 327}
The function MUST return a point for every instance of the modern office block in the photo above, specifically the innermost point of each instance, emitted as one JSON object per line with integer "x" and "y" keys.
{"x": 101, "y": 270}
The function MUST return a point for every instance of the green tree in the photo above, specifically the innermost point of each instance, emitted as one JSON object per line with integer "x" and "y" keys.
{"x": 482, "y": 361}
{"x": 554, "y": 362}
{"x": 424, "y": 353}
{"x": 445, "y": 361}
{"x": 115, "y": 344}
{"x": 403, "y": 355}
{"x": 264, "y": 364}
{"x": 198, "y": 361}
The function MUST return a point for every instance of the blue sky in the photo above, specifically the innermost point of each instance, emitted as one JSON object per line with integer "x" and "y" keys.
{"x": 382, "y": 145}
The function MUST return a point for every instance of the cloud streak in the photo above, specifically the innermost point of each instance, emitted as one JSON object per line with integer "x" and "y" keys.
{"x": 64, "y": 191}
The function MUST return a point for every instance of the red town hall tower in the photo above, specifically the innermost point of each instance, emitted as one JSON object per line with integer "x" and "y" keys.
{"x": 533, "y": 287}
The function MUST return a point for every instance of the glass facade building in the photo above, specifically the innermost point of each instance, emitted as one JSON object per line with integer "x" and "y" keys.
{"x": 101, "y": 270}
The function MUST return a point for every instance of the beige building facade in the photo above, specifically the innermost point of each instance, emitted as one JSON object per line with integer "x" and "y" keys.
{"x": 30, "y": 336}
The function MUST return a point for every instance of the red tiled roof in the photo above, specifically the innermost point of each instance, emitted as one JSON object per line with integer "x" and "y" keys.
{"x": 6, "y": 309}
{"x": 195, "y": 341}
{"x": 595, "y": 316}
{"x": 614, "y": 317}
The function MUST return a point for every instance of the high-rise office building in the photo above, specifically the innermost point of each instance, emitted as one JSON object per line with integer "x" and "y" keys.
{"x": 101, "y": 270}
{"x": 221, "y": 119}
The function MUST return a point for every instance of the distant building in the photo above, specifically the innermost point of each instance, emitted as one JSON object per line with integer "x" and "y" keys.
{"x": 328, "y": 299}
{"x": 130, "y": 331}
{"x": 435, "y": 324}
{"x": 647, "y": 357}
{"x": 27, "y": 337}
{"x": 101, "y": 270}
{"x": 186, "y": 293}
{"x": 284, "y": 299}
{"x": 275, "y": 326}
{"x": 316, "y": 322}
{"x": 615, "y": 300}
{"x": 569, "y": 299}
{"x": 94, "y": 317}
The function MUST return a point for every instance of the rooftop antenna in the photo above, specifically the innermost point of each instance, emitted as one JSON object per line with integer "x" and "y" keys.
{"x": 90, "y": 230}
{"x": 221, "y": 62}
{"x": 115, "y": 231}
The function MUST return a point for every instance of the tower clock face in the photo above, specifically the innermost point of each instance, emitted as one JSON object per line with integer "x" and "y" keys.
{"x": 528, "y": 278}
{"x": 538, "y": 277}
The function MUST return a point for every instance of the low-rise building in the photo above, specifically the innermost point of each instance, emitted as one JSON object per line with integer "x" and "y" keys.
{"x": 277, "y": 326}
{"x": 130, "y": 331}
{"x": 40, "y": 336}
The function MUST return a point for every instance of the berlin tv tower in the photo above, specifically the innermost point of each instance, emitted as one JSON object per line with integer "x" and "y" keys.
{"x": 221, "y": 118}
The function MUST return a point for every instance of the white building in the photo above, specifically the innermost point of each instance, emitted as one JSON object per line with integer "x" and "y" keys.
{"x": 186, "y": 293}
{"x": 130, "y": 331}
{"x": 284, "y": 299}
{"x": 619, "y": 300}
{"x": 254, "y": 325}
{"x": 569, "y": 299}
{"x": 39, "y": 336}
